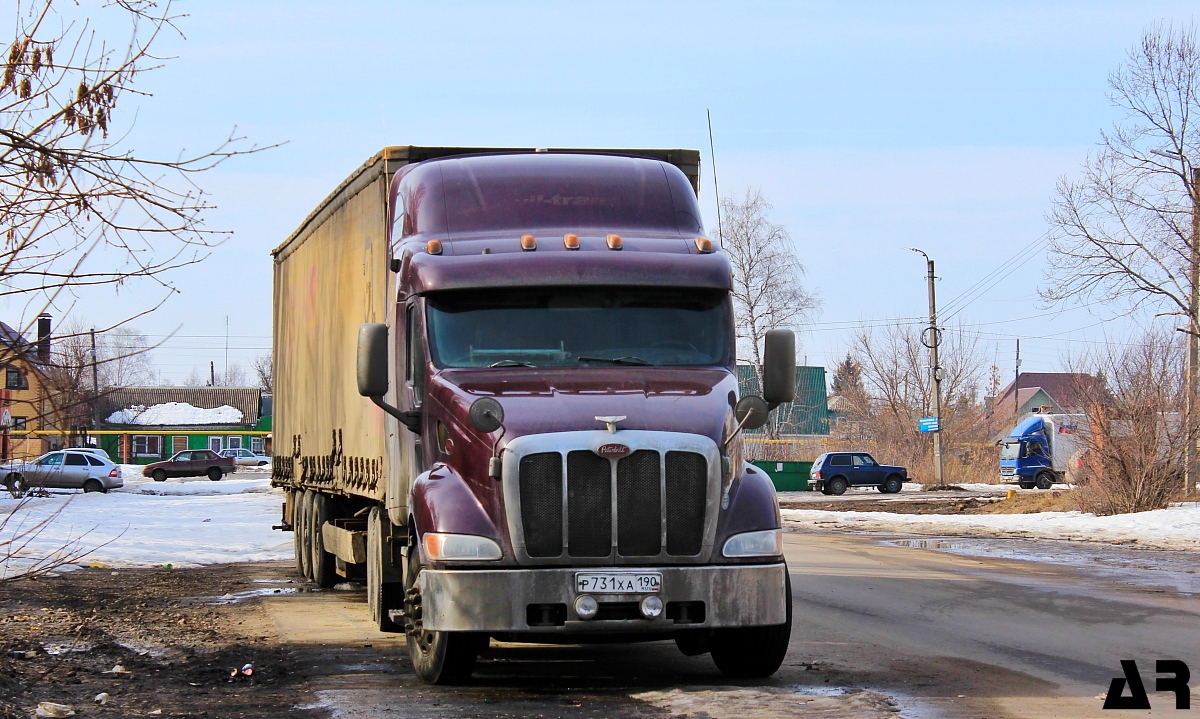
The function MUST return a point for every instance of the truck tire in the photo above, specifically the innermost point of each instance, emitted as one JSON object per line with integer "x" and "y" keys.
{"x": 892, "y": 485}
{"x": 753, "y": 652}
{"x": 297, "y": 534}
{"x": 324, "y": 564}
{"x": 1044, "y": 480}
{"x": 381, "y": 596}
{"x": 838, "y": 485}
{"x": 437, "y": 657}
{"x": 304, "y": 556}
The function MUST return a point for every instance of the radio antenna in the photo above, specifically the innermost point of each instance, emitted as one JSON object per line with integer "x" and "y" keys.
{"x": 712, "y": 152}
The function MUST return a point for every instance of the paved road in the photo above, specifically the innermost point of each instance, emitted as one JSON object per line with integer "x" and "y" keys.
{"x": 880, "y": 631}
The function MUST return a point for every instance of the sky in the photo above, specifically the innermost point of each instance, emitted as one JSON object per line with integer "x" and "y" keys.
{"x": 870, "y": 127}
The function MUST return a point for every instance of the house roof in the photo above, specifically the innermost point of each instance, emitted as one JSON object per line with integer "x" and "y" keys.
{"x": 1071, "y": 391}
{"x": 246, "y": 400}
{"x": 20, "y": 347}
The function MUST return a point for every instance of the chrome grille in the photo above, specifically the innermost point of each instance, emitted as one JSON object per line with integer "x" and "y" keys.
{"x": 639, "y": 504}
{"x": 589, "y": 505}
{"x": 541, "y": 503}
{"x": 570, "y": 506}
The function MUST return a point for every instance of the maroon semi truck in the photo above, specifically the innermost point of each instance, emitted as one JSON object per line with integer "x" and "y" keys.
{"x": 506, "y": 398}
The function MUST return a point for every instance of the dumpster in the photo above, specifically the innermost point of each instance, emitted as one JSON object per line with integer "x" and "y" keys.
{"x": 787, "y": 476}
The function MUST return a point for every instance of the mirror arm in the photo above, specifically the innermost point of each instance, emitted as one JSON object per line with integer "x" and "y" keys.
{"x": 736, "y": 431}
{"x": 410, "y": 419}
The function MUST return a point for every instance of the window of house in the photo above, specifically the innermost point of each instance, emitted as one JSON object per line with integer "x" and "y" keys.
{"x": 146, "y": 445}
{"x": 20, "y": 424}
{"x": 256, "y": 445}
{"x": 214, "y": 443}
{"x": 178, "y": 444}
{"x": 233, "y": 442}
{"x": 15, "y": 379}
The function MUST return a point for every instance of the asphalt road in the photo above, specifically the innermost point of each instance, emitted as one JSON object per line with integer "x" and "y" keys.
{"x": 879, "y": 631}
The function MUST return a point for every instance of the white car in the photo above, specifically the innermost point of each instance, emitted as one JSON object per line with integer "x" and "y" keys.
{"x": 62, "y": 469}
{"x": 244, "y": 457}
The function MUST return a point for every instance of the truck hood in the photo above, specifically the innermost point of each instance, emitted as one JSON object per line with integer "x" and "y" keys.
{"x": 665, "y": 399}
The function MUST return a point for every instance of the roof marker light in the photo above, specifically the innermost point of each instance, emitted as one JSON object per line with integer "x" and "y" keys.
{"x": 614, "y": 242}
{"x": 434, "y": 247}
{"x": 571, "y": 242}
{"x": 703, "y": 245}
{"x": 528, "y": 243}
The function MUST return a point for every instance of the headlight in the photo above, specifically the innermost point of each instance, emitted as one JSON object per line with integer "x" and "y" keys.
{"x": 460, "y": 548}
{"x": 767, "y": 543}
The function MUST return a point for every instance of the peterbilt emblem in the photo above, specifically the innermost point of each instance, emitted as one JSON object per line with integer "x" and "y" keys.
{"x": 612, "y": 451}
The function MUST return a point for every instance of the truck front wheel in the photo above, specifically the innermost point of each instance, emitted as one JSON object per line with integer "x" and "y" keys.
{"x": 437, "y": 657}
{"x": 753, "y": 652}
{"x": 1044, "y": 480}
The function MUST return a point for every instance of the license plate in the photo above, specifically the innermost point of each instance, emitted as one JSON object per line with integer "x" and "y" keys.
{"x": 618, "y": 582}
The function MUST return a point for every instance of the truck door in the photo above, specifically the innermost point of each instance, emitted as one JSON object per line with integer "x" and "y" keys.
{"x": 414, "y": 385}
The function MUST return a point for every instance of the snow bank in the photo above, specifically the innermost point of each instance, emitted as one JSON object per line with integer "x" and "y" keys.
{"x": 1173, "y": 528}
{"x": 181, "y": 523}
{"x": 175, "y": 413}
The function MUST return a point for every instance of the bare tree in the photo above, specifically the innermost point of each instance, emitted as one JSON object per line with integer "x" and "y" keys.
{"x": 1135, "y": 440}
{"x": 262, "y": 365}
{"x": 1126, "y": 231}
{"x": 79, "y": 207}
{"x": 767, "y": 293}
{"x": 898, "y": 388}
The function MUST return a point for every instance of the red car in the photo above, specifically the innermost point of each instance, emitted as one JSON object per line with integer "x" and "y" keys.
{"x": 191, "y": 463}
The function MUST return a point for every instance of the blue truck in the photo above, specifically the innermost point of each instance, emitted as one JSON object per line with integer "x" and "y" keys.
{"x": 1040, "y": 449}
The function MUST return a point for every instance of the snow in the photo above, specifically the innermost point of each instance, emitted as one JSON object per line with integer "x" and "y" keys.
{"x": 1172, "y": 528}
{"x": 175, "y": 414}
{"x": 183, "y": 523}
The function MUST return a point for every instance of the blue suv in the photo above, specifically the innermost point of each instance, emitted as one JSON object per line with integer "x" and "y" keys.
{"x": 833, "y": 472}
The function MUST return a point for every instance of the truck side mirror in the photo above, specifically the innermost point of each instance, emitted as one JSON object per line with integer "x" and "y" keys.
{"x": 751, "y": 412}
{"x": 779, "y": 367}
{"x": 373, "y": 359}
{"x": 373, "y": 372}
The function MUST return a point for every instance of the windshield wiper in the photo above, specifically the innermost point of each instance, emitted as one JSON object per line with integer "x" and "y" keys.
{"x": 510, "y": 363}
{"x": 628, "y": 359}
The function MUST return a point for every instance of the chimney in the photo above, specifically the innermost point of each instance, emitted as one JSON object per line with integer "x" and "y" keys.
{"x": 43, "y": 343}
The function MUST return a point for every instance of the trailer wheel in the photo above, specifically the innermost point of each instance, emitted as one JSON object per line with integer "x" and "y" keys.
{"x": 437, "y": 657}
{"x": 381, "y": 595}
{"x": 1044, "y": 480}
{"x": 753, "y": 652}
{"x": 324, "y": 564}
{"x": 838, "y": 485}
{"x": 304, "y": 556}
{"x": 297, "y": 532}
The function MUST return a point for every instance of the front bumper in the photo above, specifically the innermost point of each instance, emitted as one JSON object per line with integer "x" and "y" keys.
{"x": 499, "y": 600}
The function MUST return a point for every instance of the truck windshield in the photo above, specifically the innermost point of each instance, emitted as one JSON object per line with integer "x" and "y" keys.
{"x": 584, "y": 327}
{"x": 1010, "y": 450}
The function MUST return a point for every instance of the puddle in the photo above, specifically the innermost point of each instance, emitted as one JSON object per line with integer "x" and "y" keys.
{"x": 273, "y": 581}
{"x": 823, "y": 691}
{"x": 1157, "y": 568}
{"x": 237, "y": 597}
{"x": 373, "y": 667}
{"x": 65, "y": 646}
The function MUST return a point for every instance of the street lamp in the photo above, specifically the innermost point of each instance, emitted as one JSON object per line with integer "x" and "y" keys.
{"x": 935, "y": 369}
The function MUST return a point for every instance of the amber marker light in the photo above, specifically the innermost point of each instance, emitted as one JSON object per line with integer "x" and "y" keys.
{"x": 614, "y": 242}
{"x": 434, "y": 247}
{"x": 571, "y": 242}
{"x": 703, "y": 245}
{"x": 528, "y": 243}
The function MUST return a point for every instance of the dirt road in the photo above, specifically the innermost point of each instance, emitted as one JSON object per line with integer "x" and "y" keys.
{"x": 880, "y": 631}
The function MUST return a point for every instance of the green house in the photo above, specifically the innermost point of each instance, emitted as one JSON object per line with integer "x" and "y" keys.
{"x": 808, "y": 414}
{"x": 140, "y": 425}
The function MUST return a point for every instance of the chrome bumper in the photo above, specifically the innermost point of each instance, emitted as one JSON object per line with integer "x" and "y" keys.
{"x": 498, "y": 600}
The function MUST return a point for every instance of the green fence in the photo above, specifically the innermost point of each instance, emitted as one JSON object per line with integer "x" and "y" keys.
{"x": 787, "y": 476}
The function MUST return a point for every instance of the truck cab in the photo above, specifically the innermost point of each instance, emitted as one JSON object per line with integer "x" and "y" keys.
{"x": 559, "y": 365}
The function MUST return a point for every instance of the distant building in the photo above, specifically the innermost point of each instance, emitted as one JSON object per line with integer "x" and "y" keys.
{"x": 808, "y": 414}
{"x": 1047, "y": 393}
{"x": 140, "y": 425}
{"x": 30, "y": 409}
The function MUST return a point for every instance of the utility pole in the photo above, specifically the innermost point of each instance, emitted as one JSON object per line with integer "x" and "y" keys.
{"x": 212, "y": 374}
{"x": 935, "y": 369}
{"x": 1193, "y": 335}
{"x": 226, "y": 348}
{"x": 95, "y": 384}
{"x": 1017, "y": 382}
